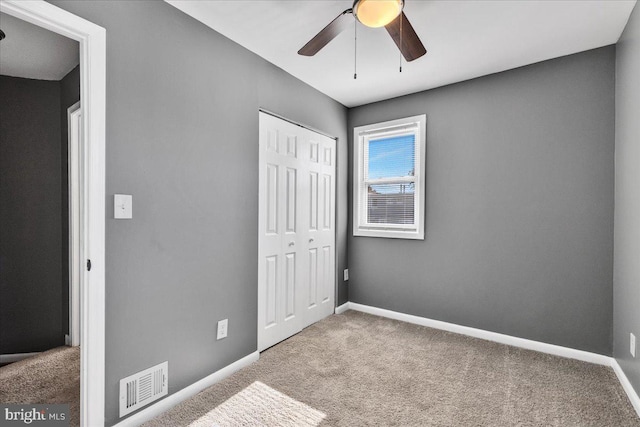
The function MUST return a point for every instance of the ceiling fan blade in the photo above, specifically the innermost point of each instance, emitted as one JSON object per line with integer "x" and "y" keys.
{"x": 328, "y": 33}
{"x": 409, "y": 44}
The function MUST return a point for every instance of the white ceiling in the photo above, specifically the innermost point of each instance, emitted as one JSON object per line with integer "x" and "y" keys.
{"x": 32, "y": 52}
{"x": 464, "y": 39}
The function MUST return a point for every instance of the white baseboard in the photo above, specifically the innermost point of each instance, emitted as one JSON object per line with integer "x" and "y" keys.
{"x": 173, "y": 399}
{"x": 556, "y": 350}
{"x": 626, "y": 385}
{"x": 16, "y": 357}
{"x": 342, "y": 308}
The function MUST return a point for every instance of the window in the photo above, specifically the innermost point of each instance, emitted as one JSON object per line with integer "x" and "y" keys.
{"x": 389, "y": 173}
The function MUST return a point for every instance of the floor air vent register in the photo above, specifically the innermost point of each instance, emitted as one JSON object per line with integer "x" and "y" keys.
{"x": 144, "y": 387}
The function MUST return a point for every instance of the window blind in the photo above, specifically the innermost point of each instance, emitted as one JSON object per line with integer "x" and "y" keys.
{"x": 389, "y": 180}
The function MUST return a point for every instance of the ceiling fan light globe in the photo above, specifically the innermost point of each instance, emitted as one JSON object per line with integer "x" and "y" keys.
{"x": 377, "y": 13}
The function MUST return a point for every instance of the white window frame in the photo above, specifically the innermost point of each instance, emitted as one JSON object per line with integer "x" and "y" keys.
{"x": 361, "y": 136}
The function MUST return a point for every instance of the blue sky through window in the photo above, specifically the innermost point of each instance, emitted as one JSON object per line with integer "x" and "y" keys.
{"x": 391, "y": 157}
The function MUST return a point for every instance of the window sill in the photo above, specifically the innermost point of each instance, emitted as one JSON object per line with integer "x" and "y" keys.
{"x": 389, "y": 234}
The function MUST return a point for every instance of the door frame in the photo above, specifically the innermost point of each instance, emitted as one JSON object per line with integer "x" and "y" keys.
{"x": 92, "y": 41}
{"x": 334, "y": 204}
{"x": 74, "y": 114}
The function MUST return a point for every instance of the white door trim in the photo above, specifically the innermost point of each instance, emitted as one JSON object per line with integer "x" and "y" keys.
{"x": 74, "y": 115}
{"x": 92, "y": 39}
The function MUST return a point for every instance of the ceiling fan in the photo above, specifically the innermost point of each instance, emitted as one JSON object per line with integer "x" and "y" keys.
{"x": 375, "y": 14}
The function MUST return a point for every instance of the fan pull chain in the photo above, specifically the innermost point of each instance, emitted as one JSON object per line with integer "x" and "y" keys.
{"x": 401, "y": 41}
{"x": 355, "y": 49}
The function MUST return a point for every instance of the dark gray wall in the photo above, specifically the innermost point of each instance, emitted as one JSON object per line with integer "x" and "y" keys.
{"x": 30, "y": 216}
{"x": 182, "y": 138}
{"x": 626, "y": 271}
{"x": 69, "y": 95}
{"x": 519, "y": 206}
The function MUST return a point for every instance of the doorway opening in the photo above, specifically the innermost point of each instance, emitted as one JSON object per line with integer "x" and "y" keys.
{"x": 92, "y": 45}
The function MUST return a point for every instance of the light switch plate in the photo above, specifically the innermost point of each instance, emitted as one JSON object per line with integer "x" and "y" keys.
{"x": 122, "y": 206}
{"x": 632, "y": 344}
{"x": 222, "y": 329}
{"x": 346, "y": 274}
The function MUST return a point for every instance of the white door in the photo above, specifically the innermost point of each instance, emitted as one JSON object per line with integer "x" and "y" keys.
{"x": 296, "y": 225}
{"x": 320, "y": 228}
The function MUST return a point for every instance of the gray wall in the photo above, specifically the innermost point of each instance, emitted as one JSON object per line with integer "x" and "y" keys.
{"x": 69, "y": 95}
{"x": 519, "y": 206}
{"x": 182, "y": 138}
{"x": 626, "y": 270}
{"x": 30, "y": 216}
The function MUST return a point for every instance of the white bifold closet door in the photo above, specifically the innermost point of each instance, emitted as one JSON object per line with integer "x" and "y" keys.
{"x": 296, "y": 225}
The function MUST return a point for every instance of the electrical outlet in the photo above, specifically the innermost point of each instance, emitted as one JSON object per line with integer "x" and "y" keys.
{"x": 346, "y": 274}
{"x": 632, "y": 344}
{"x": 222, "y": 328}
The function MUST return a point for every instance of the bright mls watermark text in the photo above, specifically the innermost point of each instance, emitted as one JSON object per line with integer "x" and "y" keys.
{"x": 34, "y": 415}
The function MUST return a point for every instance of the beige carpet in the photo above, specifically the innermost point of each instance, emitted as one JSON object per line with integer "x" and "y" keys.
{"x": 50, "y": 377}
{"x": 259, "y": 404}
{"x": 360, "y": 370}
